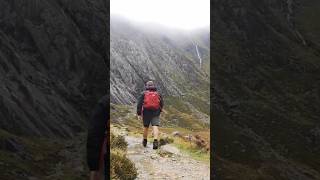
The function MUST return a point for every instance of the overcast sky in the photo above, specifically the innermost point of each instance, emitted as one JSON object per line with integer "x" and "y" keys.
{"x": 182, "y": 14}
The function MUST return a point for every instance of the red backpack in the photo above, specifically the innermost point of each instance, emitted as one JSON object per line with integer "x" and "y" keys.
{"x": 151, "y": 100}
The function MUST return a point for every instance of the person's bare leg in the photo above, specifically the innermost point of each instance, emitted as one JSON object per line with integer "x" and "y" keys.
{"x": 145, "y": 132}
{"x": 155, "y": 132}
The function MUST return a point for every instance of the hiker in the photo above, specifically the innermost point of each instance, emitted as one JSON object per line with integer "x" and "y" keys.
{"x": 149, "y": 107}
{"x": 98, "y": 141}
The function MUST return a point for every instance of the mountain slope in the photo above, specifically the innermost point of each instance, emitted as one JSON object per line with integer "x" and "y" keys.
{"x": 52, "y": 65}
{"x": 266, "y": 85}
{"x": 52, "y": 72}
{"x": 141, "y": 53}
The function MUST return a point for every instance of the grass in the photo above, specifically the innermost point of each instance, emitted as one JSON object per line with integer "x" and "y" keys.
{"x": 118, "y": 142}
{"x": 188, "y": 148}
{"x": 171, "y": 117}
{"x": 192, "y": 150}
{"x": 118, "y": 111}
{"x": 201, "y": 104}
{"x": 36, "y": 158}
{"x": 39, "y": 157}
{"x": 174, "y": 101}
{"x": 177, "y": 116}
{"x": 120, "y": 166}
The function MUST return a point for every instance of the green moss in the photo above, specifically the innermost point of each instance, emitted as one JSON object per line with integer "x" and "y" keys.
{"x": 118, "y": 111}
{"x": 202, "y": 104}
{"x": 40, "y": 157}
{"x": 178, "y": 103}
{"x": 39, "y": 151}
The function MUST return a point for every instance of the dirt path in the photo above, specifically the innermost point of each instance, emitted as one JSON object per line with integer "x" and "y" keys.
{"x": 166, "y": 163}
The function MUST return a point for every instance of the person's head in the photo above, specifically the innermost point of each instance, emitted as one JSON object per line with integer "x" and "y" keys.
{"x": 150, "y": 85}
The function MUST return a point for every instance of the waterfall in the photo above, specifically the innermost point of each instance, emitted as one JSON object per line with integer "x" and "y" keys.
{"x": 198, "y": 55}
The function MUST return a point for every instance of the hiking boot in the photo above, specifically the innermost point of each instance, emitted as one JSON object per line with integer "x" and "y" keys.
{"x": 144, "y": 142}
{"x": 155, "y": 144}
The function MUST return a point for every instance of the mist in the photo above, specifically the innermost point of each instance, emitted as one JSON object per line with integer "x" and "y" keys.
{"x": 179, "y": 14}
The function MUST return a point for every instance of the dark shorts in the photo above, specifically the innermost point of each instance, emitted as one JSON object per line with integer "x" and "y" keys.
{"x": 154, "y": 121}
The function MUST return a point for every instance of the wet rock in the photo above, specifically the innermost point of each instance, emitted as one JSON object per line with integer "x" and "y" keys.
{"x": 12, "y": 145}
{"x": 165, "y": 139}
{"x": 176, "y": 133}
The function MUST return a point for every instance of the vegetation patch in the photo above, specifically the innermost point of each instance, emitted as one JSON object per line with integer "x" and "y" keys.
{"x": 41, "y": 158}
{"x": 165, "y": 140}
{"x": 117, "y": 111}
{"x": 192, "y": 149}
{"x": 118, "y": 142}
{"x": 177, "y": 116}
{"x": 120, "y": 166}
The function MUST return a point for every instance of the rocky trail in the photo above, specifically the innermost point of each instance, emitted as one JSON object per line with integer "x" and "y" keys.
{"x": 168, "y": 162}
{"x": 165, "y": 163}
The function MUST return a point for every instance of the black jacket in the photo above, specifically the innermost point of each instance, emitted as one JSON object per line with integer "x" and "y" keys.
{"x": 96, "y": 132}
{"x": 149, "y": 113}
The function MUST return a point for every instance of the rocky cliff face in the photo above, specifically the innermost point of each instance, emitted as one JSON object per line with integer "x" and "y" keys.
{"x": 266, "y": 89}
{"x": 140, "y": 53}
{"x": 52, "y": 65}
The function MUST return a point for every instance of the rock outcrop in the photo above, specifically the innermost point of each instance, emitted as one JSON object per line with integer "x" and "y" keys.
{"x": 266, "y": 73}
{"x": 140, "y": 53}
{"x": 52, "y": 65}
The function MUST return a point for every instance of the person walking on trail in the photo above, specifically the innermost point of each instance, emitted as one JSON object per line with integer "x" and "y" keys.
{"x": 149, "y": 108}
{"x": 98, "y": 141}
